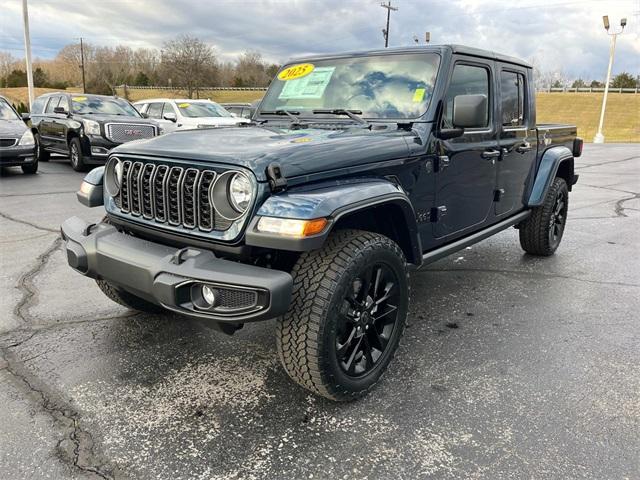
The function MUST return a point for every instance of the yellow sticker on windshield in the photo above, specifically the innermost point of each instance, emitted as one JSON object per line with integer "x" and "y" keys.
{"x": 418, "y": 95}
{"x": 79, "y": 99}
{"x": 296, "y": 71}
{"x": 184, "y": 105}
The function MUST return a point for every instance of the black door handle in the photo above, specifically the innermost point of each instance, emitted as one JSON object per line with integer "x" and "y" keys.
{"x": 524, "y": 148}
{"x": 490, "y": 154}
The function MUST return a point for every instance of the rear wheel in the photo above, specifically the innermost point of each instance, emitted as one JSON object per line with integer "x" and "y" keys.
{"x": 347, "y": 315}
{"x": 41, "y": 154}
{"x": 75, "y": 155}
{"x": 541, "y": 233}
{"x": 128, "y": 299}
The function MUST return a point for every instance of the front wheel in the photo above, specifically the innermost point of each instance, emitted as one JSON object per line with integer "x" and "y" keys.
{"x": 541, "y": 233}
{"x": 41, "y": 154}
{"x": 30, "y": 168}
{"x": 76, "y": 156}
{"x": 347, "y": 316}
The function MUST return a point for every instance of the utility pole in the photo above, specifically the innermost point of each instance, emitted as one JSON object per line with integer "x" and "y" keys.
{"x": 599, "y": 138}
{"x": 84, "y": 89}
{"x": 27, "y": 51}
{"x": 385, "y": 32}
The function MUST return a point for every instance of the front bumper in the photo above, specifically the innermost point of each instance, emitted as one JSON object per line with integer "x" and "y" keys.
{"x": 168, "y": 276}
{"x": 96, "y": 149}
{"x": 17, "y": 155}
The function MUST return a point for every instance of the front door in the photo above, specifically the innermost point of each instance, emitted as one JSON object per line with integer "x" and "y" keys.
{"x": 467, "y": 166}
{"x": 517, "y": 140}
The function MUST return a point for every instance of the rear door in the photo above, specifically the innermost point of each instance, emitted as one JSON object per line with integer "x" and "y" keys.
{"x": 467, "y": 169}
{"x": 517, "y": 139}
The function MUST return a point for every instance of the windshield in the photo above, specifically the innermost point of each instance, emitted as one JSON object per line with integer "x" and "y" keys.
{"x": 6, "y": 112}
{"x": 384, "y": 86}
{"x": 202, "y": 109}
{"x": 103, "y": 106}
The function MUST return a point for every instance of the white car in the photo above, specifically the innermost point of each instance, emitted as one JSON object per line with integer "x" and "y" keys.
{"x": 180, "y": 114}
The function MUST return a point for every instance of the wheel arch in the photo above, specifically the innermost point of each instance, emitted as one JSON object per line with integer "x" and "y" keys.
{"x": 375, "y": 205}
{"x": 556, "y": 162}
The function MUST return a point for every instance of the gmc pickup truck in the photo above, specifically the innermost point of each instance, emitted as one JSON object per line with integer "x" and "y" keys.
{"x": 356, "y": 169}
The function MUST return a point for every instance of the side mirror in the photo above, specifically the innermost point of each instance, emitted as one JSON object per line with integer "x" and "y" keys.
{"x": 470, "y": 111}
{"x": 26, "y": 117}
{"x": 234, "y": 114}
{"x": 60, "y": 110}
{"x": 170, "y": 116}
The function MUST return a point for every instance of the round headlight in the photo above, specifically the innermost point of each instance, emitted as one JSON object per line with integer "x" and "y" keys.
{"x": 113, "y": 176}
{"x": 240, "y": 192}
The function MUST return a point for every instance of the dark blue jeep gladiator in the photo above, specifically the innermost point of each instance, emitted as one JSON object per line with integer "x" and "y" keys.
{"x": 356, "y": 169}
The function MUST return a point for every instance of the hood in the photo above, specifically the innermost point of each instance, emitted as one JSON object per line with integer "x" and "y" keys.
{"x": 299, "y": 152}
{"x": 12, "y": 128}
{"x": 115, "y": 119}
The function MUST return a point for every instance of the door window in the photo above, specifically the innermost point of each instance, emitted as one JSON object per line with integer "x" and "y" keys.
{"x": 512, "y": 89}
{"x": 154, "y": 110}
{"x": 168, "y": 108}
{"x": 53, "y": 103}
{"x": 466, "y": 80}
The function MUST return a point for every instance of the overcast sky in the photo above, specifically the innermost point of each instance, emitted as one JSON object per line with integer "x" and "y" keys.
{"x": 561, "y": 34}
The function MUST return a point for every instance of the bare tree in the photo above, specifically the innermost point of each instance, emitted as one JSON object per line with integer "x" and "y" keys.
{"x": 7, "y": 62}
{"x": 190, "y": 61}
{"x": 251, "y": 70}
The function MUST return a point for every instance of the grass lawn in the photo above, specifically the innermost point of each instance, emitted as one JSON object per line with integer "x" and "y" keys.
{"x": 621, "y": 123}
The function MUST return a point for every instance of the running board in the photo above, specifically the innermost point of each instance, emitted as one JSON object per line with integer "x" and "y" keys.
{"x": 450, "y": 248}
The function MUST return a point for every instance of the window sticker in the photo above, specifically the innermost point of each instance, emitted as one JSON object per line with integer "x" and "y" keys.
{"x": 79, "y": 99}
{"x": 184, "y": 105}
{"x": 311, "y": 85}
{"x": 296, "y": 71}
{"x": 418, "y": 95}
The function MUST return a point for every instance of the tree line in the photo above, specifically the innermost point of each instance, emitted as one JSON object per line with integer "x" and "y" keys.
{"x": 185, "y": 62}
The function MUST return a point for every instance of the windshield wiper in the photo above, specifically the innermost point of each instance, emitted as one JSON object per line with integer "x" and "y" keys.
{"x": 289, "y": 113}
{"x": 352, "y": 114}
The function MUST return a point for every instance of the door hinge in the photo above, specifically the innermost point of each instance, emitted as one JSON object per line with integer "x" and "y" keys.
{"x": 498, "y": 194}
{"x": 438, "y": 212}
{"x": 442, "y": 162}
{"x": 277, "y": 180}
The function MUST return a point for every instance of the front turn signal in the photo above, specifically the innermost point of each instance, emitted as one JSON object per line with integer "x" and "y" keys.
{"x": 291, "y": 227}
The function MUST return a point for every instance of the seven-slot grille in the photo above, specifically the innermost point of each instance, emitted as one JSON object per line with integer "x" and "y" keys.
{"x": 8, "y": 142}
{"x": 174, "y": 195}
{"x": 125, "y": 132}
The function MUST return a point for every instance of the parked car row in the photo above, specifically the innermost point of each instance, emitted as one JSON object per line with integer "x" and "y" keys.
{"x": 86, "y": 127}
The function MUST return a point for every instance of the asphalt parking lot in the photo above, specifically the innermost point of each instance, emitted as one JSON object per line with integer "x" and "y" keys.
{"x": 512, "y": 367}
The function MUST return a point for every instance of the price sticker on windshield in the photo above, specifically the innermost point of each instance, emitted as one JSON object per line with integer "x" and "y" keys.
{"x": 79, "y": 99}
{"x": 184, "y": 105}
{"x": 418, "y": 95}
{"x": 296, "y": 71}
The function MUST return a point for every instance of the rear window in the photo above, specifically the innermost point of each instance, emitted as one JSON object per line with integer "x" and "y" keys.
{"x": 513, "y": 91}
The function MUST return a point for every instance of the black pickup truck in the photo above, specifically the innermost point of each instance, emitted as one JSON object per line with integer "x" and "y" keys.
{"x": 85, "y": 127}
{"x": 356, "y": 169}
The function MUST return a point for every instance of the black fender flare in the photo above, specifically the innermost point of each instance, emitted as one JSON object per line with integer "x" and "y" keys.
{"x": 550, "y": 163}
{"x": 334, "y": 200}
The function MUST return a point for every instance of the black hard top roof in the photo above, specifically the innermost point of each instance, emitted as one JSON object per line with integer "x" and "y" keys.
{"x": 452, "y": 48}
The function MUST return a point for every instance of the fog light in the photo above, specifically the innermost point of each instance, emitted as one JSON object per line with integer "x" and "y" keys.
{"x": 208, "y": 295}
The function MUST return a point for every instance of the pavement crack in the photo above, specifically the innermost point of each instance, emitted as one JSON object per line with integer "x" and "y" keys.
{"x": 24, "y": 222}
{"x": 26, "y": 285}
{"x": 619, "y": 209}
{"x": 77, "y": 446}
{"x": 7, "y": 195}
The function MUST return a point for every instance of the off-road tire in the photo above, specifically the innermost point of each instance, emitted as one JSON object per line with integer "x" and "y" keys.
{"x": 127, "y": 299}
{"x": 535, "y": 231}
{"x": 75, "y": 155}
{"x": 30, "y": 168}
{"x": 41, "y": 154}
{"x": 306, "y": 334}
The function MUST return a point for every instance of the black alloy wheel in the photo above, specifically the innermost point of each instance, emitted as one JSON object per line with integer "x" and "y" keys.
{"x": 369, "y": 317}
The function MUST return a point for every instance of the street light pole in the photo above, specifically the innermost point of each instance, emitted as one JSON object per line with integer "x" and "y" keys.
{"x": 27, "y": 51}
{"x": 599, "y": 137}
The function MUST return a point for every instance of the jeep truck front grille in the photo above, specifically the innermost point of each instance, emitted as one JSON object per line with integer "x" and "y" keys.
{"x": 170, "y": 195}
